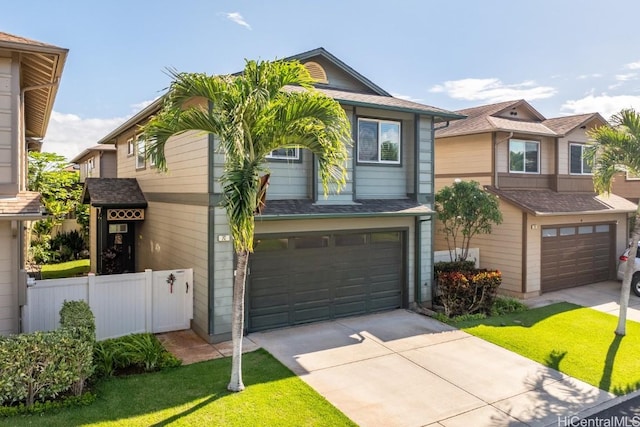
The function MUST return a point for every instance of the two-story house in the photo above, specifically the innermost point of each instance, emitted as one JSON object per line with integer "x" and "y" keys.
{"x": 98, "y": 161}
{"x": 557, "y": 232}
{"x": 30, "y": 72}
{"x": 366, "y": 249}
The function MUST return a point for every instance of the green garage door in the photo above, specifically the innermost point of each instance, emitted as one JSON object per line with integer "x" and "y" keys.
{"x": 307, "y": 278}
{"x": 574, "y": 255}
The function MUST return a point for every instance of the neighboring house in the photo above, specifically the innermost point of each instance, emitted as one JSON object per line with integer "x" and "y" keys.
{"x": 29, "y": 76}
{"x": 557, "y": 232}
{"x": 98, "y": 161}
{"x": 366, "y": 249}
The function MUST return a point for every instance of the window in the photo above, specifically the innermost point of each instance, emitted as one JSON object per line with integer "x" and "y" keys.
{"x": 632, "y": 176}
{"x": 578, "y": 165}
{"x": 130, "y": 147}
{"x": 91, "y": 163}
{"x": 524, "y": 156}
{"x": 378, "y": 141}
{"x": 285, "y": 154}
{"x": 152, "y": 160}
{"x": 140, "y": 153}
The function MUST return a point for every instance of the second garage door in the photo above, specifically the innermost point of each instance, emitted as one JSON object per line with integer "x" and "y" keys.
{"x": 308, "y": 278}
{"x": 574, "y": 255}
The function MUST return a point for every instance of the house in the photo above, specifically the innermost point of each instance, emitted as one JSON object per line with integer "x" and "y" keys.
{"x": 557, "y": 232}
{"x": 366, "y": 249}
{"x": 30, "y": 72}
{"x": 98, "y": 161}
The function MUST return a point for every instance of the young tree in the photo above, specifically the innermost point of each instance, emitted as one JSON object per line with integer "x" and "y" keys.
{"x": 253, "y": 114}
{"x": 616, "y": 149}
{"x": 59, "y": 188}
{"x": 465, "y": 209}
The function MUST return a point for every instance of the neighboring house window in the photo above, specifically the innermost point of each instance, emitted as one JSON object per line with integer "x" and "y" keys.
{"x": 524, "y": 156}
{"x": 578, "y": 165}
{"x": 633, "y": 177}
{"x": 140, "y": 153}
{"x": 285, "y": 154}
{"x": 130, "y": 147}
{"x": 378, "y": 141}
{"x": 91, "y": 164}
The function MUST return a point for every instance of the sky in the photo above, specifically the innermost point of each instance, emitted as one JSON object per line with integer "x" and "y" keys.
{"x": 563, "y": 56}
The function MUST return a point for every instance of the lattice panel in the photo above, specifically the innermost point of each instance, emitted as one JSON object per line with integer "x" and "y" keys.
{"x": 125, "y": 214}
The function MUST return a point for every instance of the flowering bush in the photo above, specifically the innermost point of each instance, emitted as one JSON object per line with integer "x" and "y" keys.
{"x": 468, "y": 292}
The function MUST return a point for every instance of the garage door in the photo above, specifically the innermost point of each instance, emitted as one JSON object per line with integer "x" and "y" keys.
{"x": 301, "y": 279}
{"x": 577, "y": 255}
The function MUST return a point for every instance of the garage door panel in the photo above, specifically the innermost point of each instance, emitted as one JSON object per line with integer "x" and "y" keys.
{"x": 576, "y": 255}
{"x": 324, "y": 277}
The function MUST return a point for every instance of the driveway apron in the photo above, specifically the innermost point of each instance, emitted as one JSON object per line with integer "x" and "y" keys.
{"x": 401, "y": 368}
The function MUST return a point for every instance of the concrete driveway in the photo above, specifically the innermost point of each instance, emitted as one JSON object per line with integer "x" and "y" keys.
{"x": 404, "y": 369}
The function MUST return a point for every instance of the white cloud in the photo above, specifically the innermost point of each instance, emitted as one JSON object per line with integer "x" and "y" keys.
{"x": 238, "y": 19}
{"x": 626, "y": 77}
{"x": 633, "y": 65}
{"x": 406, "y": 97}
{"x": 589, "y": 76}
{"x": 604, "y": 104}
{"x": 493, "y": 90}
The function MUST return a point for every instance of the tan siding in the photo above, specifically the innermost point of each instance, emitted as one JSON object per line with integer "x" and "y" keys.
{"x": 8, "y": 288}
{"x": 108, "y": 167}
{"x": 627, "y": 188}
{"x": 175, "y": 236}
{"x": 469, "y": 154}
{"x": 501, "y": 250}
{"x": 443, "y": 182}
{"x": 6, "y": 120}
{"x": 93, "y": 238}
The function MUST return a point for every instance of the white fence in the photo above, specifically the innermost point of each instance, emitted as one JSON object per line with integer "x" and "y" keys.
{"x": 153, "y": 301}
{"x": 474, "y": 255}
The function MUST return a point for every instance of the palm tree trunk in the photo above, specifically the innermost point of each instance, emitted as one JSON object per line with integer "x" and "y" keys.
{"x": 237, "y": 321}
{"x": 628, "y": 276}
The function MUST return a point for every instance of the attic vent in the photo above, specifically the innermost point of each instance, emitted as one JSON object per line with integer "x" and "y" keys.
{"x": 317, "y": 72}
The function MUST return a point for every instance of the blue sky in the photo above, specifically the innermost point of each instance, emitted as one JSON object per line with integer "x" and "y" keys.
{"x": 563, "y": 56}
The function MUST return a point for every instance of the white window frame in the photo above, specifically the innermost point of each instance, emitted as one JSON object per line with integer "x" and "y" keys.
{"x": 91, "y": 163}
{"x": 152, "y": 161}
{"x": 294, "y": 157}
{"x": 524, "y": 163}
{"x": 380, "y": 142}
{"x": 141, "y": 161}
{"x": 630, "y": 177}
{"x": 130, "y": 147}
{"x": 582, "y": 165}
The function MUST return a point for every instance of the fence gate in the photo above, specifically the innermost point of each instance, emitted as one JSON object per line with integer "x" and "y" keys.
{"x": 172, "y": 300}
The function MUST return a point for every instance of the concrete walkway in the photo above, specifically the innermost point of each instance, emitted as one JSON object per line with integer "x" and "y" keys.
{"x": 405, "y": 369}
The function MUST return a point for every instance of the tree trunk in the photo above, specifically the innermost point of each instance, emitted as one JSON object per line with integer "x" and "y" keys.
{"x": 628, "y": 276}
{"x": 237, "y": 321}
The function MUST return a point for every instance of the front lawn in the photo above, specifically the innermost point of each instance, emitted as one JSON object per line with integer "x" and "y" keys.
{"x": 575, "y": 340}
{"x": 65, "y": 269}
{"x": 196, "y": 395}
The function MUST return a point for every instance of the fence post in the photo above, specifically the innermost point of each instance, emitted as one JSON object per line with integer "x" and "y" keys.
{"x": 91, "y": 283}
{"x": 148, "y": 299}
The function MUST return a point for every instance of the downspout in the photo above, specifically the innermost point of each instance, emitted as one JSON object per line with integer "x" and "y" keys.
{"x": 495, "y": 160}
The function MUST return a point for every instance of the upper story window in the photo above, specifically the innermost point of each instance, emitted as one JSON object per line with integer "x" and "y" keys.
{"x": 378, "y": 141}
{"x": 578, "y": 165}
{"x": 140, "y": 153}
{"x": 285, "y": 154}
{"x": 91, "y": 163}
{"x": 152, "y": 160}
{"x": 130, "y": 147}
{"x": 524, "y": 156}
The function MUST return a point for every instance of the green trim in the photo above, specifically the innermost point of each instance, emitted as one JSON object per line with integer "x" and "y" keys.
{"x": 194, "y": 199}
{"x": 417, "y": 293}
{"x": 401, "y": 109}
{"x": 341, "y": 215}
{"x": 212, "y": 197}
{"x": 416, "y": 158}
{"x": 354, "y": 155}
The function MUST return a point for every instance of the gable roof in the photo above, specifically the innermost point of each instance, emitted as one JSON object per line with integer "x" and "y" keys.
{"x": 545, "y": 202}
{"x": 25, "y": 206}
{"x": 564, "y": 125}
{"x": 113, "y": 193}
{"x": 343, "y": 66}
{"x": 94, "y": 148}
{"x": 482, "y": 119}
{"x": 41, "y": 68}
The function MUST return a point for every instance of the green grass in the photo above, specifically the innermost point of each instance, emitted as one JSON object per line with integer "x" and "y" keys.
{"x": 196, "y": 395}
{"x": 572, "y": 339}
{"x": 65, "y": 269}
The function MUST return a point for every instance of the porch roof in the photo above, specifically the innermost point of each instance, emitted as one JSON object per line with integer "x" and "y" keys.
{"x": 24, "y": 206}
{"x": 113, "y": 193}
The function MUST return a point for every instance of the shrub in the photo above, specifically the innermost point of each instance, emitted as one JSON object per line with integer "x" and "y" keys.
{"x": 468, "y": 292}
{"x": 68, "y": 245}
{"x": 449, "y": 266}
{"x": 77, "y": 316}
{"x": 506, "y": 305}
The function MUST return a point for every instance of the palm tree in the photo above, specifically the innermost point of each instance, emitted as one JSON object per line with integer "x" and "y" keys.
{"x": 252, "y": 114}
{"x": 616, "y": 149}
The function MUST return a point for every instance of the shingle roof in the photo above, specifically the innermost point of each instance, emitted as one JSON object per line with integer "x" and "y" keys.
{"x": 548, "y": 202}
{"x": 520, "y": 126}
{"x": 99, "y": 147}
{"x": 564, "y": 125}
{"x": 113, "y": 193}
{"x": 25, "y": 203}
{"x": 11, "y": 38}
{"x": 385, "y": 102}
{"x": 378, "y": 207}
